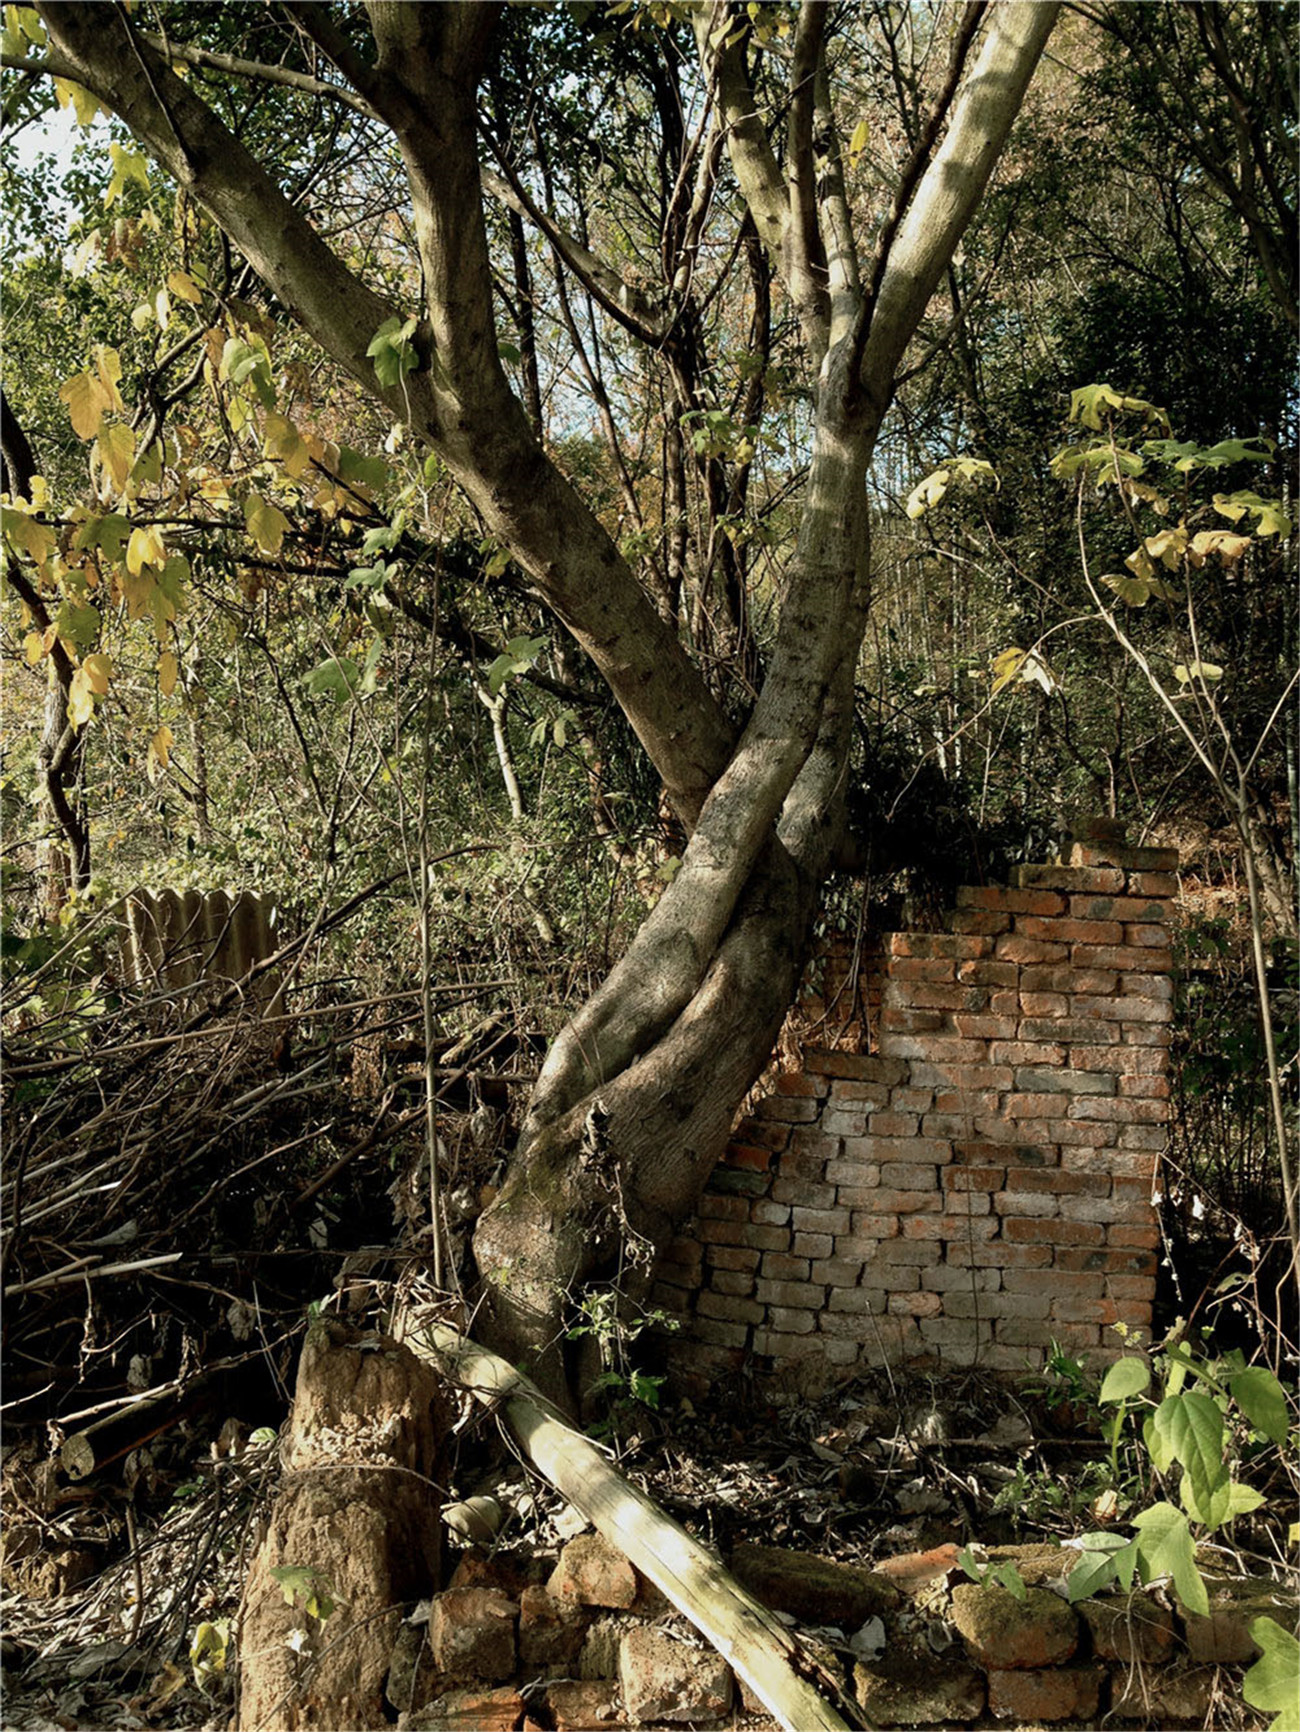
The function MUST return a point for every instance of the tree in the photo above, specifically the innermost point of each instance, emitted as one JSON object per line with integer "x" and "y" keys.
{"x": 638, "y": 1092}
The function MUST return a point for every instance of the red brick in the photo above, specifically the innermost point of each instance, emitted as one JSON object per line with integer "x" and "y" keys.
{"x": 998, "y": 1255}
{"x": 1152, "y": 884}
{"x": 916, "y": 1304}
{"x": 1118, "y": 854}
{"x": 973, "y": 1178}
{"x": 1015, "y": 1052}
{"x": 758, "y": 1134}
{"x": 911, "y": 1151}
{"x": 1011, "y": 901}
{"x": 1128, "y": 1060}
{"x": 968, "y": 1078}
{"x": 945, "y": 1227}
{"x": 1146, "y": 936}
{"x": 858, "y": 1066}
{"x": 789, "y": 1109}
{"x": 934, "y": 1051}
{"x": 1032, "y": 1106}
{"x": 1121, "y": 956}
{"x": 1109, "y": 1263}
{"x": 1131, "y": 1286}
{"x": 1100, "y": 880}
{"x": 1013, "y": 947}
{"x": 1122, "y": 908}
{"x": 1069, "y": 1029}
{"x": 748, "y": 1157}
{"x": 1059, "y": 1183}
{"x": 1147, "y": 985}
{"x": 896, "y": 1021}
{"x": 957, "y": 945}
{"x": 1120, "y": 1112}
{"x": 988, "y": 973}
{"x": 1075, "y": 1133}
{"x": 1119, "y": 1009}
{"x": 1063, "y": 977}
{"x": 984, "y": 1154}
{"x": 1044, "y": 1003}
{"x": 978, "y": 921}
{"x": 1061, "y": 1693}
{"x": 1046, "y": 1282}
{"x": 1069, "y": 1309}
{"x": 1022, "y": 1204}
{"x": 793, "y": 1082}
{"x": 1149, "y": 1033}
{"x": 889, "y": 1124}
{"x": 1071, "y": 931}
{"x": 1149, "y": 1087}
{"x": 1055, "y": 1232}
{"x": 985, "y": 1027}
{"x": 970, "y": 1101}
{"x": 1141, "y": 1238}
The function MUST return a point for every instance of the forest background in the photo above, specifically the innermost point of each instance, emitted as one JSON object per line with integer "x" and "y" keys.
{"x": 278, "y": 618}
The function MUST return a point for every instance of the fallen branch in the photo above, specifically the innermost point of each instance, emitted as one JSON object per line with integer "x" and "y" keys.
{"x": 749, "y": 1637}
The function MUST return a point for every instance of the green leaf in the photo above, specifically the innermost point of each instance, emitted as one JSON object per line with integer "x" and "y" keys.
{"x": 266, "y": 523}
{"x": 128, "y": 165}
{"x": 298, "y": 1583}
{"x": 1094, "y": 1570}
{"x": 1273, "y": 1683}
{"x": 392, "y": 351}
{"x": 1125, "y": 1379}
{"x": 1272, "y": 520}
{"x": 1193, "y": 1426}
{"x": 337, "y": 677}
{"x": 1091, "y": 405}
{"x": 1260, "y": 1397}
{"x": 360, "y": 470}
{"x": 1165, "y": 1549}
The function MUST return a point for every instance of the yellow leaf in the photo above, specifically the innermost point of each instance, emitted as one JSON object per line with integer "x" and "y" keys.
{"x": 167, "y": 671}
{"x": 33, "y": 648}
{"x": 98, "y": 670}
{"x": 108, "y": 365}
{"x": 282, "y": 440}
{"x": 858, "y": 143}
{"x": 266, "y": 523}
{"x": 87, "y": 400}
{"x": 162, "y": 308}
{"x": 1007, "y": 666}
{"x": 1228, "y": 546}
{"x": 128, "y": 165}
{"x": 144, "y": 548}
{"x": 115, "y": 448}
{"x": 183, "y": 286}
{"x": 160, "y": 748}
{"x": 81, "y": 704}
{"x": 84, "y": 105}
{"x": 1206, "y": 671}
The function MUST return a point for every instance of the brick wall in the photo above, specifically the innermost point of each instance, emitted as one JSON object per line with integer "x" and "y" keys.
{"x": 978, "y": 1186}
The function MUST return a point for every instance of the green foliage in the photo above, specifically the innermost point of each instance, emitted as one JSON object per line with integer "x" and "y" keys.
{"x": 392, "y": 350}
{"x": 306, "y": 1588}
{"x": 1273, "y": 1683}
{"x": 1004, "y": 1574}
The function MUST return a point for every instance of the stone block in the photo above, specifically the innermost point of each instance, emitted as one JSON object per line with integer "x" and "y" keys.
{"x": 1003, "y": 1633}
{"x": 475, "y": 1710}
{"x": 1136, "y": 1629}
{"x": 1175, "y": 1695}
{"x": 472, "y": 1633}
{"x": 909, "y": 1686}
{"x": 1224, "y": 1637}
{"x": 665, "y": 1679}
{"x": 812, "y": 1589}
{"x": 591, "y": 1572}
{"x": 577, "y": 1706}
{"x": 551, "y": 1630}
{"x": 1064, "y": 1693}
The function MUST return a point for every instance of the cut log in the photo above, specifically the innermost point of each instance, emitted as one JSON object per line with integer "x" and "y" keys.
{"x": 791, "y": 1684}
{"x": 353, "y": 1534}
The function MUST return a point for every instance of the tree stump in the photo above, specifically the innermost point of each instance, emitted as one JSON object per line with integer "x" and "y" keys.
{"x": 353, "y": 1534}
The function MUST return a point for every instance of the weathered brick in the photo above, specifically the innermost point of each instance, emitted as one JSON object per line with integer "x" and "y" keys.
{"x": 1061, "y": 1693}
{"x": 1107, "y": 1160}
{"x": 956, "y": 1332}
{"x": 1062, "y": 977}
{"x": 1024, "y": 1332}
{"x": 967, "y": 1102}
{"x": 978, "y": 920}
{"x": 789, "y": 1109}
{"x": 1154, "y": 1088}
{"x": 724, "y": 1232}
{"x": 1080, "y": 1133}
{"x": 859, "y": 1066}
{"x": 998, "y": 1254}
{"x": 1125, "y": 1060}
{"x": 992, "y": 1305}
{"x": 917, "y": 1304}
{"x": 807, "y": 1148}
{"x": 716, "y": 1207}
{"x": 1070, "y": 1308}
{"x": 733, "y": 1281}
{"x": 944, "y": 1227}
{"x": 965, "y": 1078}
{"x": 1145, "y": 936}
{"x": 1068, "y": 1029}
{"x": 1031, "y": 1106}
{"x": 954, "y": 1278}
{"x": 781, "y": 1266}
{"x": 886, "y": 1203}
{"x": 1132, "y": 1211}
{"x": 732, "y": 1257}
{"x": 972, "y": 1025}
{"x": 746, "y": 1157}
{"x": 777, "y": 1344}
{"x": 762, "y": 1134}
{"x": 1003, "y": 974}
{"x": 945, "y": 1125}
{"x": 911, "y": 1100}
{"x": 793, "y": 1295}
{"x": 938, "y": 1049}
{"x": 1136, "y": 1235}
{"x": 1046, "y": 1282}
{"x": 812, "y": 1245}
{"x": 681, "y": 1280}
{"x": 1118, "y": 1008}
{"x": 870, "y": 1093}
{"x": 800, "y": 1191}
{"x": 1076, "y": 931}
{"x": 769, "y": 1214}
{"x": 1148, "y": 1033}
{"x": 912, "y": 1151}
{"x": 1143, "y": 1139}
{"x": 922, "y": 968}
{"x": 1099, "y": 880}
{"x": 1121, "y": 908}
{"x": 715, "y": 1334}
{"x": 858, "y": 1301}
{"x": 960, "y": 946}
{"x": 819, "y": 1220}
{"x": 890, "y": 1124}
{"x": 1053, "y": 1081}
{"x": 1010, "y": 901}
{"x": 1017, "y": 1052}
{"x": 846, "y": 1120}
{"x": 1127, "y": 1111}
{"x": 1140, "y": 1287}
{"x": 1152, "y": 884}
{"x": 1036, "y": 1203}
{"x": 727, "y": 1308}
{"x": 1014, "y": 947}
{"x": 799, "y": 1083}
{"x": 965, "y": 1179}
{"x": 868, "y": 1232}
{"x": 762, "y": 1238}
{"x": 1059, "y": 1183}
{"x": 1118, "y": 854}
{"x": 837, "y": 1271}
{"x": 1053, "y": 1232}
